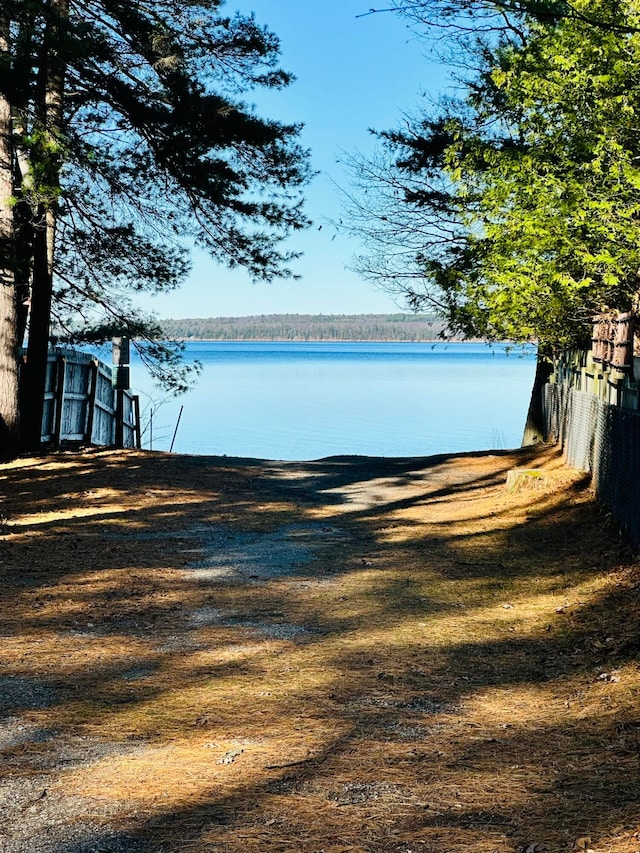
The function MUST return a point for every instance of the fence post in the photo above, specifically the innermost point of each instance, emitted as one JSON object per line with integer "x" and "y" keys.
{"x": 119, "y": 436}
{"x": 91, "y": 403}
{"x": 61, "y": 372}
{"x": 120, "y": 358}
{"x": 138, "y": 429}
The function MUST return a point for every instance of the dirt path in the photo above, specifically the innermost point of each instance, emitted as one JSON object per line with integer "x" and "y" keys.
{"x": 367, "y": 655}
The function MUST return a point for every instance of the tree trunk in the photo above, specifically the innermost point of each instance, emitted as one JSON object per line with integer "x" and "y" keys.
{"x": 23, "y": 49}
{"x": 9, "y": 409}
{"x": 33, "y": 389}
{"x": 534, "y": 431}
{"x": 34, "y": 377}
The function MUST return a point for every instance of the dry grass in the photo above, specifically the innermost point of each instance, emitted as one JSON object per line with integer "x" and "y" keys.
{"x": 428, "y": 661}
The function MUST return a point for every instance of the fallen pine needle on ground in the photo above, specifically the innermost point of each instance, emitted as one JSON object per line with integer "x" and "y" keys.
{"x": 214, "y": 655}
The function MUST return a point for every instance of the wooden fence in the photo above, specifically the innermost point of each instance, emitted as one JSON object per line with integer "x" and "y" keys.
{"x": 619, "y": 386}
{"x": 81, "y": 405}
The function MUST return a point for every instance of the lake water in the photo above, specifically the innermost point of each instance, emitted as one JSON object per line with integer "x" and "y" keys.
{"x": 300, "y": 401}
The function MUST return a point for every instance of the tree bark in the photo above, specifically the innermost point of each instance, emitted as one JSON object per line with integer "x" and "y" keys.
{"x": 22, "y": 49}
{"x": 35, "y": 370}
{"x": 534, "y": 430}
{"x": 53, "y": 74}
{"x": 9, "y": 408}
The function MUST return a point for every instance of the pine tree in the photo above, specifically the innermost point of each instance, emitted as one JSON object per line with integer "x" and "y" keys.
{"x": 9, "y": 415}
{"x": 126, "y": 139}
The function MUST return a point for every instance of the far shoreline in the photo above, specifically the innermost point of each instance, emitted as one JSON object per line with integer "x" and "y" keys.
{"x": 399, "y": 328}
{"x": 338, "y": 341}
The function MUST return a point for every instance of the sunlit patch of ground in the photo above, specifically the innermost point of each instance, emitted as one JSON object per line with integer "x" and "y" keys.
{"x": 381, "y": 656}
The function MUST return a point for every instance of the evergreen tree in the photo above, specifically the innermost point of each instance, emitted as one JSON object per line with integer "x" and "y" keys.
{"x": 491, "y": 16}
{"x": 514, "y": 208}
{"x": 125, "y": 137}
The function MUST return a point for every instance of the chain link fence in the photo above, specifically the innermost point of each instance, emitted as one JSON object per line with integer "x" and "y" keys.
{"x": 604, "y": 440}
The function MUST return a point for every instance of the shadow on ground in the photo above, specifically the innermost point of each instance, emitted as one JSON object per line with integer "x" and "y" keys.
{"x": 352, "y": 654}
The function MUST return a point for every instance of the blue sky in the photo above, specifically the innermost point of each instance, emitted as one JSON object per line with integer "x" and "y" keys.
{"x": 353, "y": 73}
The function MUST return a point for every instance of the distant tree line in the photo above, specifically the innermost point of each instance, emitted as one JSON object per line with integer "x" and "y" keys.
{"x": 308, "y": 327}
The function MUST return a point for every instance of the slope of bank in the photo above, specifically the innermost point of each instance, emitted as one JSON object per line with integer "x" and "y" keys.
{"x": 372, "y": 655}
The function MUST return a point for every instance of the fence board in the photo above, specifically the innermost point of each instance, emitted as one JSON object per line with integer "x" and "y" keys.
{"x": 48, "y": 411}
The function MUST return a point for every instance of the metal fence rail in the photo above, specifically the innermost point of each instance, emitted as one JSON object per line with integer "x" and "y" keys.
{"x": 81, "y": 405}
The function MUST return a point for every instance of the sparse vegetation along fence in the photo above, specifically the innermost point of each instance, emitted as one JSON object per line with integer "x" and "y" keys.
{"x": 81, "y": 405}
{"x": 591, "y": 407}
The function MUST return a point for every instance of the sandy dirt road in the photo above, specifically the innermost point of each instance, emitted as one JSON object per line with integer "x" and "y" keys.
{"x": 369, "y": 655}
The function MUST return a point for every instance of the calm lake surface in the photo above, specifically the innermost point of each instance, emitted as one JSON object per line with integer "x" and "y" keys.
{"x": 300, "y": 401}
